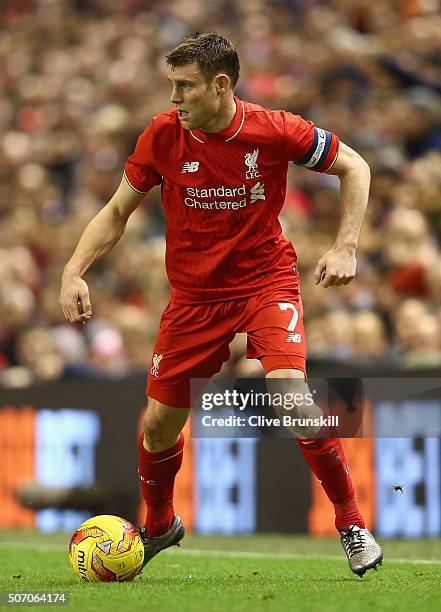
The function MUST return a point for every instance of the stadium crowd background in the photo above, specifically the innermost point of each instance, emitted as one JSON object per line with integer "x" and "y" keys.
{"x": 80, "y": 79}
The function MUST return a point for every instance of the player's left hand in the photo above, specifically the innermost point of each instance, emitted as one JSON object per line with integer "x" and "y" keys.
{"x": 336, "y": 267}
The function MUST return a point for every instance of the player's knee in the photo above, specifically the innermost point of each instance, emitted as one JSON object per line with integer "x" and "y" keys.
{"x": 294, "y": 403}
{"x": 286, "y": 383}
{"x": 152, "y": 433}
{"x": 153, "y": 426}
{"x": 161, "y": 425}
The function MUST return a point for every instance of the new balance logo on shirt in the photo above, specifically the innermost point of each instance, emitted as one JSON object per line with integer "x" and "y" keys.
{"x": 192, "y": 166}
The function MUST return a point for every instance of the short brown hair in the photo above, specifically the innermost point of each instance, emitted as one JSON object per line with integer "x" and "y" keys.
{"x": 212, "y": 52}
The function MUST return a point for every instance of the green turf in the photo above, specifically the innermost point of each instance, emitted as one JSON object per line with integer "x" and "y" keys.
{"x": 268, "y": 573}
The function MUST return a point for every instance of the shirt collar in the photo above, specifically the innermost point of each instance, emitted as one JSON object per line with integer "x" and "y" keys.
{"x": 229, "y": 132}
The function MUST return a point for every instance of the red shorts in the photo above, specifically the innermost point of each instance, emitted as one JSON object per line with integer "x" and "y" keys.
{"x": 193, "y": 340}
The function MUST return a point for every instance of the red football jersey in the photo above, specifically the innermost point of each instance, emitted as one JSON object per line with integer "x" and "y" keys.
{"x": 222, "y": 194}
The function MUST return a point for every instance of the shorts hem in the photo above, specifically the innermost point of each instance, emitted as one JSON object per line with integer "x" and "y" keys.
{"x": 174, "y": 397}
{"x": 283, "y": 362}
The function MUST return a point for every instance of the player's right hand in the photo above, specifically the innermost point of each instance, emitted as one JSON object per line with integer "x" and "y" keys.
{"x": 74, "y": 299}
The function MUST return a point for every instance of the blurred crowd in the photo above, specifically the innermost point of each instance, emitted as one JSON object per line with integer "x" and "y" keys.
{"x": 80, "y": 79}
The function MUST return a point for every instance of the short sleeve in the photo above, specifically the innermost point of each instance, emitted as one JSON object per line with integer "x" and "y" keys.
{"x": 309, "y": 146}
{"x": 140, "y": 169}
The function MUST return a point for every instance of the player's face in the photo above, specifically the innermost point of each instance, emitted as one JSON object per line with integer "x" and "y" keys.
{"x": 197, "y": 101}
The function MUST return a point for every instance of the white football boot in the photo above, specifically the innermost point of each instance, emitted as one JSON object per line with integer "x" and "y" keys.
{"x": 361, "y": 549}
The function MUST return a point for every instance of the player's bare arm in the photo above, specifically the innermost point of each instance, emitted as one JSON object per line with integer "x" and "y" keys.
{"x": 338, "y": 265}
{"x": 99, "y": 237}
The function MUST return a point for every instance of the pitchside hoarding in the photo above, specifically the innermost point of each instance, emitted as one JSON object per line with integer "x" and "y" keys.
{"x": 69, "y": 451}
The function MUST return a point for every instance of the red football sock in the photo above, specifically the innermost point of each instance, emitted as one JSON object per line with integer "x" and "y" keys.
{"x": 157, "y": 473}
{"x": 327, "y": 460}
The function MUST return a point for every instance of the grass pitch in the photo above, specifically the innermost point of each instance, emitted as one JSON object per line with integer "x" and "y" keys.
{"x": 263, "y": 572}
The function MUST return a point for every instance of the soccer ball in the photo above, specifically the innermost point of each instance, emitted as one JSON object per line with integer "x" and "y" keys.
{"x": 106, "y": 548}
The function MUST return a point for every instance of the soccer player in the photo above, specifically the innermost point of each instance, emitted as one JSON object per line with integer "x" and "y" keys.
{"x": 222, "y": 165}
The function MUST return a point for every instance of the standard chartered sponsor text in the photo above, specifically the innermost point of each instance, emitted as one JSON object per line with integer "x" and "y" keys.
{"x": 207, "y": 198}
